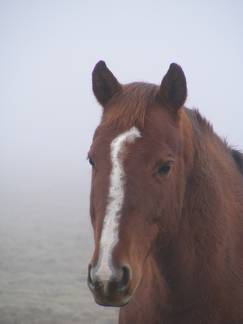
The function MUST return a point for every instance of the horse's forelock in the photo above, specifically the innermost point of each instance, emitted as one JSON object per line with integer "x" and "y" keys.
{"x": 129, "y": 107}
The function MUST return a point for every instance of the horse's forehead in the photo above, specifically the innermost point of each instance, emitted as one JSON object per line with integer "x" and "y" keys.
{"x": 157, "y": 131}
{"x": 123, "y": 143}
{"x": 110, "y": 138}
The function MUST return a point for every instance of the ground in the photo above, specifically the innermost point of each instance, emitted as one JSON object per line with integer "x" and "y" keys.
{"x": 43, "y": 263}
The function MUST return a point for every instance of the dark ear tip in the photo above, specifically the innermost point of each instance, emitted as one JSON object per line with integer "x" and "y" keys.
{"x": 175, "y": 67}
{"x": 99, "y": 66}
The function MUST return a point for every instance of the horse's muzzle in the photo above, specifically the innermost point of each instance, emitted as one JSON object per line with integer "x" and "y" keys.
{"x": 113, "y": 291}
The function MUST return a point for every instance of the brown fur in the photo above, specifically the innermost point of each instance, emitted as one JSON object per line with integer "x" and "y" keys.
{"x": 182, "y": 234}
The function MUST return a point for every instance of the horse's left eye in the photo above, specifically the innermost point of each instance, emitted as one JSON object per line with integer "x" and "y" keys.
{"x": 164, "y": 168}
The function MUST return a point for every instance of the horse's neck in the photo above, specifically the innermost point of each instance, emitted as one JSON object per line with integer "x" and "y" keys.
{"x": 199, "y": 258}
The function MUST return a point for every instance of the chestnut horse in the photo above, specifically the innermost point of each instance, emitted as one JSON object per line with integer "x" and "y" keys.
{"x": 166, "y": 207}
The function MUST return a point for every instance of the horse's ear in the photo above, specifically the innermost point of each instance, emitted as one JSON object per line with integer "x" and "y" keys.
{"x": 105, "y": 85}
{"x": 173, "y": 89}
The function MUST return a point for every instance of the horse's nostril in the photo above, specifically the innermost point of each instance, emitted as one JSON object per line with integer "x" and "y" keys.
{"x": 93, "y": 281}
{"x": 90, "y": 281}
{"x": 123, "y": 282}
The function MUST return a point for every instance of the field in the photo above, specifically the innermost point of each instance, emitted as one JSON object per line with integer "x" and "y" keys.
{"x": 45, "y": 247}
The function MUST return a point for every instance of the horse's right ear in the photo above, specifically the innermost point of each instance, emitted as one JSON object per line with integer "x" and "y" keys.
{"x": 105, "y": 85}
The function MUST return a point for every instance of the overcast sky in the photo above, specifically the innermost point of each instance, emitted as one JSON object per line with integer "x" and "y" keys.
{"x": 48, "y": 50}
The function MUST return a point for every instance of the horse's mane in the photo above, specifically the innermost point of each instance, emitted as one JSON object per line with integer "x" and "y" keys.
{"x": 238, "y": 157}
{"x": 204, "y": 126}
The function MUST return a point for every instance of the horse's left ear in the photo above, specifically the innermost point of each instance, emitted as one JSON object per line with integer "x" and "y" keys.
{"x": 173, "y": 89}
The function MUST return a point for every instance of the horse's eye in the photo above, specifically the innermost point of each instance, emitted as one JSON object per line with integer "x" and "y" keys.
{"x": 164, "y": 168}
{"x": 91, "y": 162}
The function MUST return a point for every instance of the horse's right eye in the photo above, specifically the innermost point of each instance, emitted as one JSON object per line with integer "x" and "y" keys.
{"x": 164, "y": 168}
{"x": 91, "y": 162}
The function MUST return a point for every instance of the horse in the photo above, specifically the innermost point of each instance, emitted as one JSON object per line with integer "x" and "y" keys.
{"x": 166, "y": 207}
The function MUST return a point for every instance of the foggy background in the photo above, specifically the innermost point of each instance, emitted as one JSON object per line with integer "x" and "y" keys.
{"x": 48, "y": 115}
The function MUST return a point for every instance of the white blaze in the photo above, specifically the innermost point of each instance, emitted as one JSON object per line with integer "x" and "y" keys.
{"x": 109, "y": 235}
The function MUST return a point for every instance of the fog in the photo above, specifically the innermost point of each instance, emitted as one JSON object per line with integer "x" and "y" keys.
{"x": 48, "y": 115}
